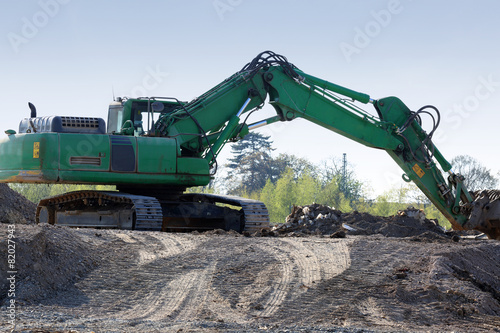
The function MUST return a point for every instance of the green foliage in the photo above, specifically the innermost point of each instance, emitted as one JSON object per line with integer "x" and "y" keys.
{"x": 279, "y": 197}
{"x": 287, "y": 192}
{"x": 341, "y": 177}
{"x": 391, "y": 201}
{"x": 251, "y": 164}
{"x": 37, "y": 192}
{"x": 252, "y": 143}
{"x": 307, "y": 189}
{"x": 332, "y": 196}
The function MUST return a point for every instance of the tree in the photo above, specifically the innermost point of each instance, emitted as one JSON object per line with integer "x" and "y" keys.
{"x": 252, "y": 143}
{"x": 332, "y": 195}
{"x": 477, "y": 176}
{"x": 339, "y": 177}
{"x": 307, "y": 189}
{"x": 288, "y": 191}
{"x": 298, "y": 165}
{"x": 279, "y": 197}
{"x": 250, "y": 166}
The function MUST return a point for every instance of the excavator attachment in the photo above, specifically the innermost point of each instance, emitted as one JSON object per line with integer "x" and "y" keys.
{"x": 485, "y": 213}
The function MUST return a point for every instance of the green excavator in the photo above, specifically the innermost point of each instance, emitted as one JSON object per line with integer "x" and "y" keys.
{"x": 154, "y": 148}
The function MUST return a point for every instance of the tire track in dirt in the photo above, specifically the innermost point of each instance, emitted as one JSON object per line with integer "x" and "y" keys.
{"x": 165, "y": 287}
{"x": 171, "y": 246}
{"x": 307, "y": 264}
{"x": 197, "y": 294}
{"x": 333, "y": 256}
{"x": 281, "y": 286}
{"x": 178, "y": 298}
{"x": 157, "y": 276}
{"x": 138, "y": 282}
{"x": 300, "y": 267}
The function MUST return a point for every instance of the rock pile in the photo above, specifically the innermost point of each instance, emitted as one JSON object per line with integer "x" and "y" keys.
{"x": 14, "y": 208}
{"x": 323, "y": 220}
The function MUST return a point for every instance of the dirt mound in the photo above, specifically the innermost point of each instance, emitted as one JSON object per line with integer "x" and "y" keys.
{"x": 323, "y": 220}
{"x": 466, "y": 281}
{"x": 140, "y": 281}
{"x": 14, "y": 208}
{"x": 47, "y": 259}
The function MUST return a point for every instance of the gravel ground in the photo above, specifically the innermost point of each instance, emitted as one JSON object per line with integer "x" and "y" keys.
{"x": 84, "y": 280}
{"x": 321, "y": 271}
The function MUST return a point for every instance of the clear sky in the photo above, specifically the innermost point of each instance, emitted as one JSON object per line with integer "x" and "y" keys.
{"x": 68, "y": 56}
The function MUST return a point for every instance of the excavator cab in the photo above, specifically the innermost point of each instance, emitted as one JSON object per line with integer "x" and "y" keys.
{"x": 137, "y": 116}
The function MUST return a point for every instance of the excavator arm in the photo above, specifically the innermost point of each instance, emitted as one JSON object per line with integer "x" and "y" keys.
{"x": 295, "y": 94}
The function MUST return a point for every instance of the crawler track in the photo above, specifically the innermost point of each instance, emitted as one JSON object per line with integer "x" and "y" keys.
{"x": 119, "y": 210}
{"x": 256, "y": 216}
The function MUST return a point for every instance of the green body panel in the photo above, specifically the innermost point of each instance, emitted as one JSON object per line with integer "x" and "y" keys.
{"x": 157, "y": 155}
{"x": 108, "y": 178}
{"x": 29, "y": 158}
{"x": 83, "y": 152}
{"x": 192, "y": 166}
{"x": 98, "y": 159}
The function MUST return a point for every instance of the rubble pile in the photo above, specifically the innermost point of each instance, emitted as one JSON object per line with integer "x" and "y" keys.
{"x": 15, "y": 208}
{"x": 323, "y": 220}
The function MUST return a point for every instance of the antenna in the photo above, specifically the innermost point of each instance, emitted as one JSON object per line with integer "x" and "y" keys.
{"x": 344, "y": 174}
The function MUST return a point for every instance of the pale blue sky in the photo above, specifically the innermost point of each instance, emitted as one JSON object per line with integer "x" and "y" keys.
{"x": 66, "y": 56}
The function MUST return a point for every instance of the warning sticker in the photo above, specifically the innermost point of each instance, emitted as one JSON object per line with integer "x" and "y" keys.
{"x": 418, "y": 170}
{"x": 36, "y": 149}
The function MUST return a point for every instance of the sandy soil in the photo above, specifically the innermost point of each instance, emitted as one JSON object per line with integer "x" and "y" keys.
{"x": 311, "y": 274}
{"x": 71, "y": 280}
